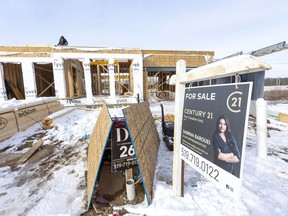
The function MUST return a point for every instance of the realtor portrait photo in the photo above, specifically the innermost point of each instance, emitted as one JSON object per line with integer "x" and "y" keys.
{"x": 226, "y": 151}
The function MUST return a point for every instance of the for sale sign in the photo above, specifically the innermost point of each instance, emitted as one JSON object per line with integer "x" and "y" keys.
{"x": 213, "y": 131}
{"x": 123, "y": 153}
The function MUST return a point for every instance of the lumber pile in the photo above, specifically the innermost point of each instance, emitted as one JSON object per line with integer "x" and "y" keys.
{"x": 23, "y": 116}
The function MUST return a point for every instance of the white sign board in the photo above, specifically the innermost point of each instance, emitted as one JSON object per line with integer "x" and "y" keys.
{"x": 213, "y": 132}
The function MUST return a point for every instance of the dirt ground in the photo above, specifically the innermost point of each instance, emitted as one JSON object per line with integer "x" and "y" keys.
{"x": 47, "y": 159}
{"x": 111, "y": 192}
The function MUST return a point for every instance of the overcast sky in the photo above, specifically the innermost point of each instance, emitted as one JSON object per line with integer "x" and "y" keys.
{"x": 222, "y": 26}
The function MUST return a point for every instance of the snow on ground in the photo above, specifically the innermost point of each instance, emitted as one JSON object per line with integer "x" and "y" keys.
{"x": 52, "y": 182}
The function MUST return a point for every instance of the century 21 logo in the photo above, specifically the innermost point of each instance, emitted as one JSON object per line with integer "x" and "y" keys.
{"x": 234, "y": 101}
{"x": 126, "y": 150}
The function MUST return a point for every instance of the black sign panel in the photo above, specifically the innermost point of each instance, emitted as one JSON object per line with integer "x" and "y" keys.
{"x": 213, "y": 128}
{"x": 123, "y": 153}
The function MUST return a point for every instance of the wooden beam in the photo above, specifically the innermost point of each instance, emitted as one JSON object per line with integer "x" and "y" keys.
{"x": 31, "y": 151}
{"x": 16, "y": 91}
{"x": 46, "y": 89}
{"x": 99, "y": 80}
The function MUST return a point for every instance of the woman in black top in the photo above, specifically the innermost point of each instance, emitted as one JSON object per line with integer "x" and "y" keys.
{"x": 226, "y": 152}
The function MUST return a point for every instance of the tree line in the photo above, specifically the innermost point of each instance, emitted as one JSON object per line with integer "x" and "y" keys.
{"x": 276, "y": 81}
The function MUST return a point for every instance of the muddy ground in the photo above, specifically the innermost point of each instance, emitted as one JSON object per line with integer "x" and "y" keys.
{"x": 48, "y": 158}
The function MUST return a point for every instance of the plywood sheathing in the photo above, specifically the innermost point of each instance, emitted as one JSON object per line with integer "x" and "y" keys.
{"x": 97, "y": 143}
{"x": 41, "y": 50}
{"x": 100, "y": 50}
{"x": 146, "y": 141}
{"x": 20, "y": 51}
{"x": 35, "y": 49}
{"x": 14, "y": 120}
{"x": 152, "y": 58}
{"x": 170, "y": 60}
{"x": 44, "y": 50}
{"x": 177, "y": 52}
{"x": 28, "y": 55}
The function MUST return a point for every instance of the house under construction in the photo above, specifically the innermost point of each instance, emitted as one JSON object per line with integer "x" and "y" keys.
{"x": 90, "y": 72}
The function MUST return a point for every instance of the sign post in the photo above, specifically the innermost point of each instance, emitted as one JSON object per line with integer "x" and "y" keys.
{"x": 178, "y": 165}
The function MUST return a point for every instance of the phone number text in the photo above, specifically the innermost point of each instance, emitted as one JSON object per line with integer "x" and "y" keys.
{"x": 124, "y": 164}
{"x": 202, "y": 165}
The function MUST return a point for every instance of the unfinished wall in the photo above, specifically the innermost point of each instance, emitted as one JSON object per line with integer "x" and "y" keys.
{"x": 170, "y": 60}
{"x": 124, "y": 77}
{"x": 161, "y": 65}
